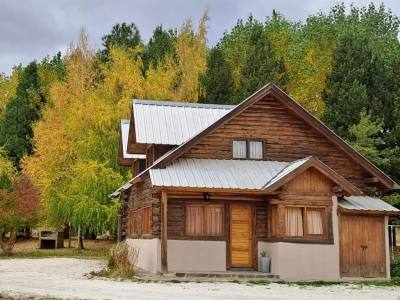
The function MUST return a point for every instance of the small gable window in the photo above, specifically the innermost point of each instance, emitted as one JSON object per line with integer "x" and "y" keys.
{"x": 243, "y": 149}
{"x": 256, "y": 150}
{"x": 239, "y": 149}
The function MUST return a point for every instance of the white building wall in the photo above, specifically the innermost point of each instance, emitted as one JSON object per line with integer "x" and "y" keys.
{"x": 149, "y": 258}
{"x": 196, "y": 256}
{"x": 298, "y": 261}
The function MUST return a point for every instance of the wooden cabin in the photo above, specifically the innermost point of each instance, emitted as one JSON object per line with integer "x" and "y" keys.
{"x": 216, "y": 185}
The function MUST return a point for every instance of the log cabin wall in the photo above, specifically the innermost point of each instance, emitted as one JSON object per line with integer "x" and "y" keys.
{"x": 177, "y": 219}
{"x": 140, "y": 196}
{"x": 285, "y": 136}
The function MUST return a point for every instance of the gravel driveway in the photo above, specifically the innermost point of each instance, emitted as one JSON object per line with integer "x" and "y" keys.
{"x": 65, "y": 278}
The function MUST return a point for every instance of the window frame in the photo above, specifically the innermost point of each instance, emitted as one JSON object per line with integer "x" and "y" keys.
{"x": 248, "y": 148}
{"x": 275, "y": 232}
{"x": 204, "y": 228}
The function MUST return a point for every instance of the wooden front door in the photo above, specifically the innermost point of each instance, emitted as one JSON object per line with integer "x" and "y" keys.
{"x": 241, "y": 236}
{"x": 362, "y": 246}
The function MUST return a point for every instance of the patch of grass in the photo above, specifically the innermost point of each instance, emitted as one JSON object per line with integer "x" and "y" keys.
{"x": 259, "y": 282}
{"x": 64, "y": 252}
{"x": 393, "y": 282}
{"x": 174, "y": 281}
{"x": 317, "y": 283}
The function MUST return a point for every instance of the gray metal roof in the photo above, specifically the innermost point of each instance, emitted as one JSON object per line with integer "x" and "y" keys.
{"x": 124, "y": 136}
{"x": 118, "y": 191}
{"x": 213, "y": 173}
{"x": 365, "y": 203}
{"x": 172, "y": 123}
{"x": 285, "y": 171}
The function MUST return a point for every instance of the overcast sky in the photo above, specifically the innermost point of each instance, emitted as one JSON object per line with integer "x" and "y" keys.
{"x": 31, "y": 29}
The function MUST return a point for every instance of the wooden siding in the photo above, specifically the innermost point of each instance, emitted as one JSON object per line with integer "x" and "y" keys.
{"x": 140, "y": 196}
{"x": 286, "y": 138}
{"x": 310, "y": 181}
{"x": 362, "y": 246}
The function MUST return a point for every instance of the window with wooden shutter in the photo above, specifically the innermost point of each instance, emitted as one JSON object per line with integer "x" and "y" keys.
{"x": 146, "y": 220}
{"x": 204, "y": 220}
{"x": 132, "y": 223}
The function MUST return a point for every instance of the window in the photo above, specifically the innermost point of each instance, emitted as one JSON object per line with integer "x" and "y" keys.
{"x": 146, "y": 220}
{"x": 314, "y": 221}
{"x": 247, "y": 149}
{"x": 301, "y": 221}
{"x": 307, "y": 222}
{"x": 239, "y": 149}
{"x": 205, "y": 220}
{"x": 256, "y": 150}
{"x": 294, "y": 221}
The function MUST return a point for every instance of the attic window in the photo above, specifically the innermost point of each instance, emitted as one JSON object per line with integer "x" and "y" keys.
{"x": 243, "y": 149}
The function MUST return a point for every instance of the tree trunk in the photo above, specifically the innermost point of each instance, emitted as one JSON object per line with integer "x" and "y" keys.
{"x": 80, "y": 239}
{"x": 69, "y": 235}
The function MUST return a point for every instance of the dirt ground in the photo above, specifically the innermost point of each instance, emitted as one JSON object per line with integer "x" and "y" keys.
{"x": 66, "y": 278}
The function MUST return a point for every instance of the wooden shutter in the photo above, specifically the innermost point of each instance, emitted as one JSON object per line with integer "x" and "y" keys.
{"x": 146, "y": 220}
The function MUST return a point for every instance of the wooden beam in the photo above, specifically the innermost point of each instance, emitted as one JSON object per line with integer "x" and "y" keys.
{"x": 164, "y": 232}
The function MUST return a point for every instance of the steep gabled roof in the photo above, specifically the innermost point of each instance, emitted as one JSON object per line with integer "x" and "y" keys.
{"x": 299, "y": 166}
{"x": 272, "y": 90}
{"x": 124, "y": 132}
{"x": 264, "y": 177}
{"x": 172, "y": 123}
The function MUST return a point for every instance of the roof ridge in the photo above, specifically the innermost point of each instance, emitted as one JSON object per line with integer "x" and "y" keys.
{"x": 182, "y": 104}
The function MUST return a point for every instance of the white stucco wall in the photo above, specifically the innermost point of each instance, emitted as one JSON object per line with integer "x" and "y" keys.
{"x": 149, "y": 258}
{"x": 196, "y": 256}
{"x": 298, "y": 261}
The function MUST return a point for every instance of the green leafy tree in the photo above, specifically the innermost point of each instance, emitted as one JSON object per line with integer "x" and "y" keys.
{"x": 160, "y": 45}
{"x": 261, "y": 64}
{"x": 349, "y": 85}
{"x": 216, "y": 85}
{"x": 20, "y": 114}
{"x": 122, "y": 35}
{"x": 365, "y": 138}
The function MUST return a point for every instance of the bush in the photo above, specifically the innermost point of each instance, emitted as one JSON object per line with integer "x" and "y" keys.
{"x": 122, "y": 259}
{"x": 395, "y": 267}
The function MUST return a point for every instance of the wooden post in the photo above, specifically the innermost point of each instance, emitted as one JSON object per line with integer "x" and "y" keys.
{"x": 164, "y": 232}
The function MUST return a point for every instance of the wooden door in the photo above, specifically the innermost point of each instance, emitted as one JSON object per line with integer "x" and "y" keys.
{"x": 241, "y": 236}
{"x": 362, "y": 246}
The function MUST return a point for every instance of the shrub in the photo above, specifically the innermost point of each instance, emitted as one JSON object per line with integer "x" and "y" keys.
{"x": 395, "y": 267}
{"x": 122, "y": 259}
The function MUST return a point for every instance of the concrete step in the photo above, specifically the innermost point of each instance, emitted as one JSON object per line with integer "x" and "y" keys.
{"x": 228, "y": 275}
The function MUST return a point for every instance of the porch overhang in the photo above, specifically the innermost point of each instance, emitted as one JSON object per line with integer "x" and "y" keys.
{"x": 366, "y": 205}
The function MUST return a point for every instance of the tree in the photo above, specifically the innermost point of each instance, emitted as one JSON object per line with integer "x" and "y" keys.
{"x": 261, "y": 64}
{"x": 160, "y": 45}
{"x": 20, "y": 114}
{"x": 365, "y": 138}
{"x": 216, "y": 84}
{"x": 122, "y": 35}
{"x": 190, "y": 59}
{"x": 19, "y": 208}
{"x": 8, "y": 87}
